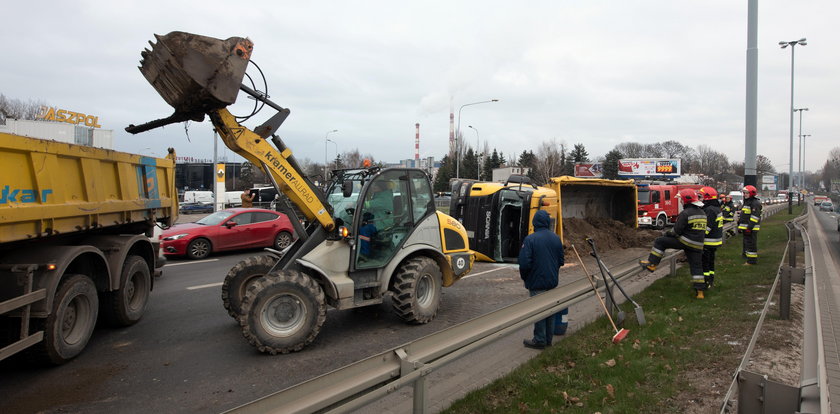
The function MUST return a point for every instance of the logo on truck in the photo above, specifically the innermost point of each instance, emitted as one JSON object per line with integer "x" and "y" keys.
{"x": 22, "y": 195}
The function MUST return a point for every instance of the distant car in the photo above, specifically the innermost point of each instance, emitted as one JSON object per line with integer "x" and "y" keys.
{"x": 195, "y": 208}
{"x": 231, "y": 229}
{"x": 826, "y": 206}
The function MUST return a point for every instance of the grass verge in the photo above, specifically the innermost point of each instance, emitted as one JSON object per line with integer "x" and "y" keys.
{"x": 654, "y": 369}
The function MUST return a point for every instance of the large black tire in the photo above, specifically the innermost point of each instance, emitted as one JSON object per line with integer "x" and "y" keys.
{"x": 283, "y": 312}
{"x": 240, "y": 277}
{"x": 70, "y": 324}
{"x": 660, "y": 222}
{"x": 282, "y": 240}
{"x": 417, "y": 290}
{"x": 124, "y": 307}
{"x": 199, "y": 249}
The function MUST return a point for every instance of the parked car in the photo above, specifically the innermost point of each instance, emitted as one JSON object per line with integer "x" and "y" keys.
{"x": 195, "y": 208}
{"x": 231, "y": 229}
{"x": 826, "y": 206}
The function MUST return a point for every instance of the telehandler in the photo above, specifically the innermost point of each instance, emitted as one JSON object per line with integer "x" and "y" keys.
{"x": 372, "y": 233}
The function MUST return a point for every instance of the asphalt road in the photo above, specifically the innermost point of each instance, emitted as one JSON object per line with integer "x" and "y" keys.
{"x": 188, "y": 355}
{"x": 828, "y": 220}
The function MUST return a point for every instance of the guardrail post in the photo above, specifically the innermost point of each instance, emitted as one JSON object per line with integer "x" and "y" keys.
{"x": 420, "y": 401}
{"x": 784, "y": 295}
{"x": 673, "y": 262}
{"x": 792, "y": 248}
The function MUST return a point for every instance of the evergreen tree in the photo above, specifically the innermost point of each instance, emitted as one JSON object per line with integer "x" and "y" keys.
{"x": 444, "y": 174}
{"x": 528, "y": 160}
{"x": 494, "y": 161}
{"x": 610, "y": 165}
{"x": 579, "y": 154}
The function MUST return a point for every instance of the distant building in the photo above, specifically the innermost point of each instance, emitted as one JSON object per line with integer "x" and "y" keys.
{"x": 428, "y": 164}
{"x": 201, "y": 175}
{"x": 60, "y": 131}
{"x": 500, "y": 175}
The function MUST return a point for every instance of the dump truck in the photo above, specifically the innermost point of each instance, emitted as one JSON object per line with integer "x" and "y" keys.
{"x": 373, "y": 234}
{"x": 498, "y": 216}
{"x": 75, "y": 247}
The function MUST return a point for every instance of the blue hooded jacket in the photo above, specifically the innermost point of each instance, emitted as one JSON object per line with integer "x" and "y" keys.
{"x": 541, "y": 255}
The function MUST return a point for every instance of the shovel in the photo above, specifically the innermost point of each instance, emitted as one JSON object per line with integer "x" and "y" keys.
{"x": 619, "y": 333}
{"x": 640, "y": 313}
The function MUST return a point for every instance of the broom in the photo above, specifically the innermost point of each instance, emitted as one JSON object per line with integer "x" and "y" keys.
{"x": 619, "y": 334}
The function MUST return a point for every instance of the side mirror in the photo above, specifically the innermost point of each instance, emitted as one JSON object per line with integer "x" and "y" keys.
{"x": 347, "y": 188}
{"x": 231, "y": 224}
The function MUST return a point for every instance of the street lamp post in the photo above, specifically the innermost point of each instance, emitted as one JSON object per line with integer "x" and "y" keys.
{"x": 325, "y": 153}
{"x": 458, "y": 137}
{"x": 477, "y": 157}
{"x": 802, "y": 158}
{"x": 800, "y": 143}
{"x": 792, "y": 45}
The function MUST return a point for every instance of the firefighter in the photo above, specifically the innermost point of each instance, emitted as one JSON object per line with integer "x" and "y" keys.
{"x": 727, "y": 208}
{"x": 714, "y": 233}
{"x": 749, "y": 223}
{"x": 688, "y": 234}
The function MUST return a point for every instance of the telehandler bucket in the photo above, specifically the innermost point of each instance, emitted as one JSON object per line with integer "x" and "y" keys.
{"x": 194, "y": 74}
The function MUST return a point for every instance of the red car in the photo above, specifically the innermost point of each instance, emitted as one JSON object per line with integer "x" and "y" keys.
{"x": 231, "y": 229}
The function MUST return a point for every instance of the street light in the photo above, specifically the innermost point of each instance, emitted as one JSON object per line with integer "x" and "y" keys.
{"x": 792, "y": 45}
{"x": 477, "y": 159}
{"x": 325, "y": 153}
{"x": 800, "y": 143}
{"x": 458, "y": 137}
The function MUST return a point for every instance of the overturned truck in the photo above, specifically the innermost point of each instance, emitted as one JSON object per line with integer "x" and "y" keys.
{"x": 497, "y": 216}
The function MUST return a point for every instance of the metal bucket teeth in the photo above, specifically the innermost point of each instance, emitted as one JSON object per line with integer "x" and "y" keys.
{"x": 196, "y": 74}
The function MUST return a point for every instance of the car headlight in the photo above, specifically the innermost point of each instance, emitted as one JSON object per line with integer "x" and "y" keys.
{"x": 176, "y": 237}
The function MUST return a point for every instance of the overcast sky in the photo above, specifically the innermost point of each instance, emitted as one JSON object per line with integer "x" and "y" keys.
{"x": 591, "y": 72}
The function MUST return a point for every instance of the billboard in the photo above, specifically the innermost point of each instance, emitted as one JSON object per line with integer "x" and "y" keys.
{"x": 648, "y": 167}
{"x": 589, "y": 170}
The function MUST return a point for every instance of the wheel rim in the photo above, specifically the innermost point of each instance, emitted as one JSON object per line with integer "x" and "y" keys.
{"x": 243, "y": 287}
{"x": 134, "y": 288}
{"x": 199, "y": 249}
{"x": 283, "y": 240}
{"x": 73, "y": 328}
{"x": 283, "y": 314}
{"x": 425, "y": 290}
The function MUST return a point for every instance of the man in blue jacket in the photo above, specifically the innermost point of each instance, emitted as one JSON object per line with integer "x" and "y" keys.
{"x": 539, "y": 264}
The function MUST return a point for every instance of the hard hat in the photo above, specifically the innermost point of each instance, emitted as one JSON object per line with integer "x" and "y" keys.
{"x": 708, "y": 193}
{"x": 688, "y": 196}
{"x": 750, "y": 191}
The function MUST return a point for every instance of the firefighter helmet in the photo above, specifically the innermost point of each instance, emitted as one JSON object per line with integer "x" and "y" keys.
{"x": 749, "y": 191}
{"x": 688, "y": 196}
{"x": 708, "y": 193}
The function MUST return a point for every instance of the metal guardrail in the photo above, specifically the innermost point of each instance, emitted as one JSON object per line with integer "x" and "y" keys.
{"x": 358, "y": 384}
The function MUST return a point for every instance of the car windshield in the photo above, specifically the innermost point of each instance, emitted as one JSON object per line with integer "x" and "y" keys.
{"x": 215, "y": 218}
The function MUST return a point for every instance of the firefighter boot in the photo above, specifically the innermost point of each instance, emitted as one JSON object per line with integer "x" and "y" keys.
{"x": 699, "y": 294}
{"x": 645, "y": 264}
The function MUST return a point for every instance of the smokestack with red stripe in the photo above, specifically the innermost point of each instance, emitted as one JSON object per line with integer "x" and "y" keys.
{"x": 417, "y": 147}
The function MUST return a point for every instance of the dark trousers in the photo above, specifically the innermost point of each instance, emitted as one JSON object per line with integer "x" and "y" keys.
{"x": 709, "y": 259}
{"x": 751, "y": 247}
{"x": 543, "y": 329}
{"x": 694, "y": 256}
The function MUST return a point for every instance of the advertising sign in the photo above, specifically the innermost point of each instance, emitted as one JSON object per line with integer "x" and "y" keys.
{"x": 62, "y": 115}
{"x": 589, "y": 170}
{"x": 768, "y": 179}
{"x": 649, "y": 167}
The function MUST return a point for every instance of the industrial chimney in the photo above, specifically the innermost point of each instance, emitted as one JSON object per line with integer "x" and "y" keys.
{"x": 417, "y": 147}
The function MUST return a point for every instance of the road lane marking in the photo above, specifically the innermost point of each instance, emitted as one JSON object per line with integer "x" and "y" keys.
{"x": 186, "y": 263}
{"x": 486, "y": 271}
{"x": 209, "y": 285}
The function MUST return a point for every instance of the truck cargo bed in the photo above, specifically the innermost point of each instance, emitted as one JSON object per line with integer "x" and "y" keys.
{"x": 50, "y": 188}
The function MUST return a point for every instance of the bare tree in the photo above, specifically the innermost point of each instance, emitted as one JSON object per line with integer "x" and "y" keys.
{"x": 355, "y": 159}
{"x": 711, "y": 162}
{"x": 631, "y": 149}
{"x": 548, "y": 161}
{"x": 17, "y": 109}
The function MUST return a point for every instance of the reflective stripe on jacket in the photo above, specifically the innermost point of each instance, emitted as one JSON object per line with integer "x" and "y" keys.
{"x": 750, "y": 218}
{"x": 690, "y": 227}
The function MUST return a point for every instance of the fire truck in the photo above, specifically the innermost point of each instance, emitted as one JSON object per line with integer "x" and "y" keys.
{"x": 659, "y": 205}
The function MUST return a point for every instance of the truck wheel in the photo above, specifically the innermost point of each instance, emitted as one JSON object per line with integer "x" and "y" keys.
{"x": 417, "y": 290}
{"x": 240, "y": 277}
{"x": 660, "y": 222}
{"x": 199, "y": 249}
{"x": 282, "y": 240}
{"x": 283, "y": 312}
{"x": 70, "y": 324}
{"x": 126, "y": 306}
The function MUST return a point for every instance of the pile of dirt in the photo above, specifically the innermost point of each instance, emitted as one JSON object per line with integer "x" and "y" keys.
{"x": 608, "y": 234}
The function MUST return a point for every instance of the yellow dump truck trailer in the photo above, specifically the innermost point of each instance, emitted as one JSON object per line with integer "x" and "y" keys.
{"x": 498, "y": 216}
{"x": 75, "y": 228}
